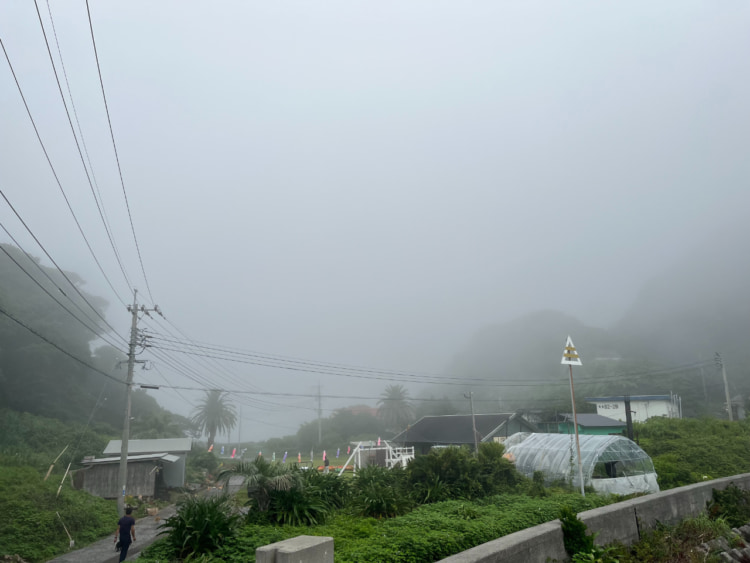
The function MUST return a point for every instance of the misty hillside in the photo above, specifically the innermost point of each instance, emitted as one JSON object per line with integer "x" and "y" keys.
{"x": 528, "y": 345}
{"x": 683, "y": 315}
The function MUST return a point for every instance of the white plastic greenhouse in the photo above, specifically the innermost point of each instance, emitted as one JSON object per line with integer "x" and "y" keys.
{"x": 611, "y": 464}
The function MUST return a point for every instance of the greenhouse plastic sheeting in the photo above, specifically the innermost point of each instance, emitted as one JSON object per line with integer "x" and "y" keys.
{"x": 611, "y": 464}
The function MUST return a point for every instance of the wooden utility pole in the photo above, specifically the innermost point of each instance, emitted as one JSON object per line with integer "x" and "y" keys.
{"x": 470, "y": 396}
{"x": 122, "y": 476}
{"x": 720, "y": 362}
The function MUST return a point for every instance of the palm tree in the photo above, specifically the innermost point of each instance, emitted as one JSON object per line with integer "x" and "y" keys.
{"x": 214, "y": 414}
{"x": 394, "y": 408}
{"x": 263, "y": 478}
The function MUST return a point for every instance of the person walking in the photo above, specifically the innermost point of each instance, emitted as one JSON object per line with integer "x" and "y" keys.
{"x": 126, "y": 530}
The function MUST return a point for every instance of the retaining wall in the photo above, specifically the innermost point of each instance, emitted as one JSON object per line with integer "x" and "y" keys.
{"x": 307, "y": 549}
{"x": 624, "y": 522}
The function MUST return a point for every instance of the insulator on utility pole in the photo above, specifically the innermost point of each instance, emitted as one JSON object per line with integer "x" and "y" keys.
{"x": 122, "y": 476}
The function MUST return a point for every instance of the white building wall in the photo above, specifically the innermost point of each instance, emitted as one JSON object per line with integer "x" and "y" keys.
{"x": 641, "y": 410}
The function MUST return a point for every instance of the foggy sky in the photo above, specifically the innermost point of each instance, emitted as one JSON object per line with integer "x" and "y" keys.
{"x": 373, "y": 182}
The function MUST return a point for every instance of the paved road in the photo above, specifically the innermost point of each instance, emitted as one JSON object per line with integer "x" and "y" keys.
{"x": 103, "y": 551}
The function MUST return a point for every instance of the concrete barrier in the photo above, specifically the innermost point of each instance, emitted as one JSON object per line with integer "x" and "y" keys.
{"x": 307, "y": 549}
{"x": 532, "y": 545}
{"x": 623, "y": 522}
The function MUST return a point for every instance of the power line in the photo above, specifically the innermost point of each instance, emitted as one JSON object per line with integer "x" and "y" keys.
{"x": 45, "y": 290}
{"x": 117, "y": 156}
{"x": 54, "y": 173}
{"x": 48, "y": 341}
{"x": 57, "y": 267}
{"x": 384, "y": 375}
{"x": 228, "y": 351}
{"x": 72, "y": 129}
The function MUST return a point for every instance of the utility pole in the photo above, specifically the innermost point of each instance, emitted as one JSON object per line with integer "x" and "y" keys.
{"x": 122, "y": 476}
{"x": 571, "y": 358}
{"x": 470, "y": 396}
{"x": 628, "y": 417}
{"x": 320, "y": 417}
{"x": 720, "y": 363}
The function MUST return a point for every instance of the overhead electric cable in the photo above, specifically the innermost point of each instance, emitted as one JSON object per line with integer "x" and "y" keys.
{"x": 100, "y": 207}
{"x": 117, "y": 156}
{"x": 48, "y": 341}
{"x": 211, "y": 364}
{"x": 386, "y": 376}
{"x": 45, "y": 290}
{"x": 57, "y": 267}
{"x": 54, "y": 173}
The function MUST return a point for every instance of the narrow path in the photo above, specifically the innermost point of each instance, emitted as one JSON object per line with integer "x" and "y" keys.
{"x": 103, "y": 551}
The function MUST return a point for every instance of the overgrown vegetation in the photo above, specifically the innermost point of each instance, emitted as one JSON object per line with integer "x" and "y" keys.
{"x": 29, "y": 524}
{"x": 428, "y": 533}
{"x": 201, "y": 525}
{"x": 686, "y": 451}
{"x": 732, "y": 505}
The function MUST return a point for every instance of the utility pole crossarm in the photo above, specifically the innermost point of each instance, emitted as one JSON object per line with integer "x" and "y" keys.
{"x": 122, "y": 476}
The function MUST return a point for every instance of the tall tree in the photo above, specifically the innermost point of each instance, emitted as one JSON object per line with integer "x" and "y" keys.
{"x": 395, "y": 409}
{"x": 215, "y": 414}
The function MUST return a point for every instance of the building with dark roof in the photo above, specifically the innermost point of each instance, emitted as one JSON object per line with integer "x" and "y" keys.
{"x": 589, "y": 423}
{"x": 456, "y": 430}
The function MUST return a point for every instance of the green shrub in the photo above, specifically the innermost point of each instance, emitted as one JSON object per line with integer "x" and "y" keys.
{"x": 575, "y": 538}
{"x": 201, "y": 525}
{"x": 732, "y": 504}
{"x": 301, "y": 506}
{"x": 380, "y": 493}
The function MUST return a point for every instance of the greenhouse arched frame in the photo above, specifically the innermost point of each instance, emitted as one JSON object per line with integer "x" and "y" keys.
{"x": 611, "y": 464}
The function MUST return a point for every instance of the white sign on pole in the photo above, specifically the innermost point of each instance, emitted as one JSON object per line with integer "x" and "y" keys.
{"x": 570, "y": 356}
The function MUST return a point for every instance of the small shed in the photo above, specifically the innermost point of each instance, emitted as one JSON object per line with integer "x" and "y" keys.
{"x": 145, "y": 475}
{"x": 611, "y": 464}
{"x": 589, "y": 423}
{"x": 457, "y": 430}
{"x": 173, "y": 473}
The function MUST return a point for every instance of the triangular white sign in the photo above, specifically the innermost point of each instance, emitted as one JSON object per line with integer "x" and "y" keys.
{"x": 570, "y": 356}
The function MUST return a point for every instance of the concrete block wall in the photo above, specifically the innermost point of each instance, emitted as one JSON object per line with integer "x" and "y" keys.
{"x": 302, "y": 549}
{"x": 623, "y": 522}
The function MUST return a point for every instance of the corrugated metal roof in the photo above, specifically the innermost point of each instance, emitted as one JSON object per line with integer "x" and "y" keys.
{"x": 169, "y": 445}
{"x": 452, "y": 428}
{"x": 162, "y": 456}
{"x": 589, "y": 419}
